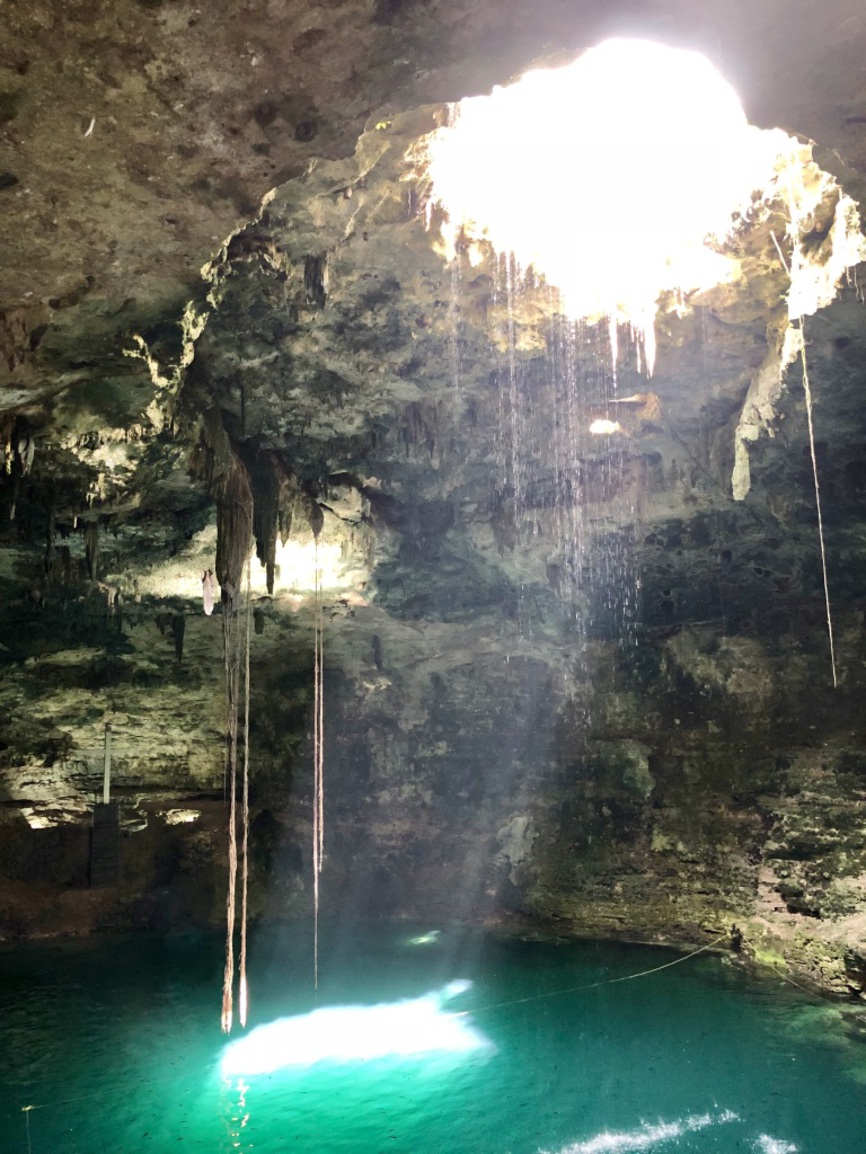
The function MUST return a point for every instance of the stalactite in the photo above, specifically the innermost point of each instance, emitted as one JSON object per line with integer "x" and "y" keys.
{"x": 16, "y": 493}
{"x": 49, "y": 530}
{"x": 178, "y": 628}
{"x": 26, "y": 449}
{"x": 7, "y": 426}
{"x": 91, "y": 548}
{"x": 207, "y": 591}
{"x": 316, "y": 279}
{"x": 64, "y": 566}
{"x": 234, "y": 530}
{"x": 266, "y": 480}
{"x": 19, "y": 450}
{"x": 211, "y": 459}
{"x": 314, "y": 513}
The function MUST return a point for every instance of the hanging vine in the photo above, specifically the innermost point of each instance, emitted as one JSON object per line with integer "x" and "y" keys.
{"x": 807, "y": 389}
{"x": 236, "y": 641}
{"x": 255, "y": 503}
{"x": 245, "y": 808}
{"x": 232, "y": 669}
{"x": 318, "y": 752}
{"x": 234, "y": 537}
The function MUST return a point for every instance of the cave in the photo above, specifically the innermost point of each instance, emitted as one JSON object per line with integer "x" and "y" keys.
{"x": 366, "y": 563}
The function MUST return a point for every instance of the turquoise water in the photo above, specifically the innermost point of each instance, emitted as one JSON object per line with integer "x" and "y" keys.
{"x": 116, "y": 1044}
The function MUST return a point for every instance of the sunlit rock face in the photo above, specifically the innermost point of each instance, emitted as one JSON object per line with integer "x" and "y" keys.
{"x": 570, "y": 682}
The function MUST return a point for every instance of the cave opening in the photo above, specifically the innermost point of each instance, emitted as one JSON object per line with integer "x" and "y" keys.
{"x": 617, "y": 178}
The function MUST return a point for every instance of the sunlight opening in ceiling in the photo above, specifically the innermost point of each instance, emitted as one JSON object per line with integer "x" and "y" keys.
{"x": 616, "y": 178}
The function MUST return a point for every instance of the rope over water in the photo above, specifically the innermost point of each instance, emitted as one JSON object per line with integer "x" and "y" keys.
{"x": 594, "y": 985}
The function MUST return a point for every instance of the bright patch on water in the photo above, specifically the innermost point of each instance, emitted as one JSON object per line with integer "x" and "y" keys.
{"x": 647, "y": 1137}
{"x": 116, "y": 1045}
{"x": 767, "y": 1145}
{"x": 615, "y": 177}
{"x": 410, "y": 1028}
{"x": 428, "y": 939}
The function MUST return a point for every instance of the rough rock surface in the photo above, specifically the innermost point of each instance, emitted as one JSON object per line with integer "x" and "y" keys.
{"x": 570, "y": 682}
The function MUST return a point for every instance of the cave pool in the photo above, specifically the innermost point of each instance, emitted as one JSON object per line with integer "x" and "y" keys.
{"x": 457, "y": 1042}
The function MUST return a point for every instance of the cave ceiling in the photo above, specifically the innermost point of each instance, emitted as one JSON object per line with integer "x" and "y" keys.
{"x": 213, "y": 243}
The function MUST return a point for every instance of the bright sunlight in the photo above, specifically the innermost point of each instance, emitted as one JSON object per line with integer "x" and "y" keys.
{"x": 615, "y": 178}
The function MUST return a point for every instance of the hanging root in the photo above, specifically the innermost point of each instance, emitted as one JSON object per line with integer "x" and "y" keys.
{"x": 795, "y": 270}
{"x": 318, "y": 758}
{"x": 808, "y": 391}
{"x": 234, "y": 537}
{"x": 230, "y": 642}
{"x": 245, "y": 807}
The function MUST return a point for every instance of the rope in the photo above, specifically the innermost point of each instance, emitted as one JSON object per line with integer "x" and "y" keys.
{"x": 108, "y": 1092}
{"x": 808, "y": 391}
{"x": 233, "y": 664}
{"x": 791, "y": 982}
{"x": 228, "y": 673}
{"x": 791, "y": 270}
{"x": 321, "y": 796}
{"x": 594, "y": 985}
{"x": 245, "y": 810}
{"x": 318, "y": 759}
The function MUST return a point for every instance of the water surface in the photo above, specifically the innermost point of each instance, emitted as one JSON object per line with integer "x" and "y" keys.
{"x": 116, "y": 1045}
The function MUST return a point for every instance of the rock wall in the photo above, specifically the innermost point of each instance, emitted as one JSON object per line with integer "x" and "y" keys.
{"x": 570, "y": 684}
{"x": 666, "y": 789}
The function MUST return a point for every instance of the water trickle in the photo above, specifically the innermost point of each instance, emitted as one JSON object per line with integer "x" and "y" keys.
{"x": 512, "y": 286}
{"x": 454, "y": 333}
{"x": 511, "y": 461}
{"x": 558, "y": 488}
{"x": 589, "y": 487}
